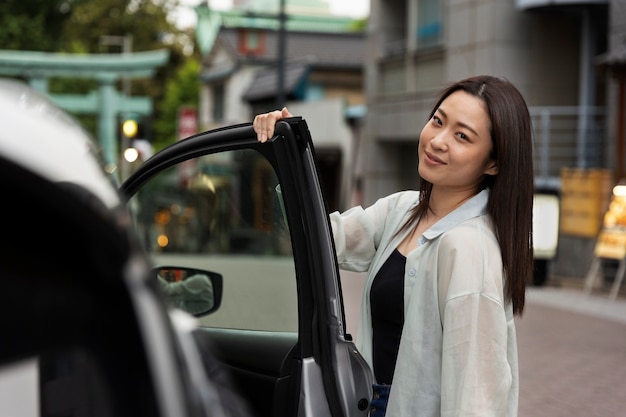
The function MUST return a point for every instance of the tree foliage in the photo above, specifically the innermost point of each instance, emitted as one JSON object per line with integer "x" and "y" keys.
{"x": 33, "y": 25}
{"x": 88, "y": 26}
{"x": 181, "y": 90}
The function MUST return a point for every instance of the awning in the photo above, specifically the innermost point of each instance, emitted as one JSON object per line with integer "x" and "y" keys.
{"x": 265, "y": 83}
{"x": 217, "y": 74}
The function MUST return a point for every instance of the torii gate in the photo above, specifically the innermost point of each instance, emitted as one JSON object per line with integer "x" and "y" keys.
{"x": 38, "y": 67}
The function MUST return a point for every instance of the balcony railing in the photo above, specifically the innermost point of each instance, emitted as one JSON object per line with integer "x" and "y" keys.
{"x": 567, "y": 136}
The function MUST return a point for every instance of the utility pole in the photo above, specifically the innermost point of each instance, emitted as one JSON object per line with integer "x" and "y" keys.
{"x": 281, "y": 55}
{"x": 126, "y": 44}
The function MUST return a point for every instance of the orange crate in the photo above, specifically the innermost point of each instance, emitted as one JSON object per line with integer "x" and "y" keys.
{"x": 583, "y": 203}
{"x": 580, "y": 224}
{"x": 586, "y": 181}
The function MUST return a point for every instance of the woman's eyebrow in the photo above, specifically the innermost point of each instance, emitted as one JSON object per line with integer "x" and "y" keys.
{"x": 466, "y": 126}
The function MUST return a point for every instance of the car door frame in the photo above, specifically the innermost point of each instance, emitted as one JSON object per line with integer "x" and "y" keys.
{"x": 326, "y": 350}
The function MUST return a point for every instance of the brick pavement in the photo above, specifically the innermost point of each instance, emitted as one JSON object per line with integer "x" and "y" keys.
{"x": 572, "y": 355}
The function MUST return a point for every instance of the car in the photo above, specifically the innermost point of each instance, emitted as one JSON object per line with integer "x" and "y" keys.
{"x": 87, "y": 329}
{"x": 215, "y": 257}
{"x": 255, "y": 214}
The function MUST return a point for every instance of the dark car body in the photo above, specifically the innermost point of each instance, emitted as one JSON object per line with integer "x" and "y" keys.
{"x": 85, "y": 329}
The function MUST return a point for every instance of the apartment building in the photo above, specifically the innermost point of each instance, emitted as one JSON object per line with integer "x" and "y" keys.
{"x": 547, "y": 48}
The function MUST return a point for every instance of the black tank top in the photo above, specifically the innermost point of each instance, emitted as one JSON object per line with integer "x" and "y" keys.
{"x": 387, "y": 304}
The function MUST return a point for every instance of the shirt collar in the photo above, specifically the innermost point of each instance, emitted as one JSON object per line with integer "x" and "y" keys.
{"x": 474, "y": 207}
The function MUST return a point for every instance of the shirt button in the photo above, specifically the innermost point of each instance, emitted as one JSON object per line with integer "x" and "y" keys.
{"x": 376, "y": 395}
{"x": 411, "y": 272}
{"x": 372, "y": 410}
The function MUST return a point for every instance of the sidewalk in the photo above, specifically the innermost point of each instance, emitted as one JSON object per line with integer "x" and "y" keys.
{"x": 597, "y": 304}
{"x": 572, "y": 354}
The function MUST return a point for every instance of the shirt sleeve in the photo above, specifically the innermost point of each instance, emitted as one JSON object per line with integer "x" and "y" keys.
{"x": 476, "y": 375}
{"x": 358, "y": 232}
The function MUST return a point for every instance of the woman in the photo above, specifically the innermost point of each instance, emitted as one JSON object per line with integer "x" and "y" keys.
{"x": 447, "y": 265}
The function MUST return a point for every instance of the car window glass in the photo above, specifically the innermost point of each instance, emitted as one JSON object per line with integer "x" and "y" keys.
{"x": 19, "y": 388}
{"x": 222, "y": 213}
{"x": 64, "y": 382}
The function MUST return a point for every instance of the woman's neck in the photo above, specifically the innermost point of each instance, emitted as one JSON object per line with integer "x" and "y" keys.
{"x": 443, "y": 202}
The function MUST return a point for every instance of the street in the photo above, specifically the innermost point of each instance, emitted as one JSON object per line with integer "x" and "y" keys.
{"x": 572, "y": 350}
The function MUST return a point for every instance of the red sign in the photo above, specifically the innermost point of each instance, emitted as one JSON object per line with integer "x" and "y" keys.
{"x": 187, "y": 122}
{"x": 187, "y": 125}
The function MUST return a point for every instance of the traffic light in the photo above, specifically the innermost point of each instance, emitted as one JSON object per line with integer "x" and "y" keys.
{"x": 129, "y": 132}
{"x": 130, "y": 127}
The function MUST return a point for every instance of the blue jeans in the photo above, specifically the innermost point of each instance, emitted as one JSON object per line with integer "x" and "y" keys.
{"x": 378, "y": 406}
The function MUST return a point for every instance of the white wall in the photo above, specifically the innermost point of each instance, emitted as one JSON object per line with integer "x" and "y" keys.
{"x": 329, "y": 129}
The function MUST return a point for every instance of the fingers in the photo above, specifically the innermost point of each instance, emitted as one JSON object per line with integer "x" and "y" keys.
{"x": 264, "y": 123}
{"x": 285, "y": 112}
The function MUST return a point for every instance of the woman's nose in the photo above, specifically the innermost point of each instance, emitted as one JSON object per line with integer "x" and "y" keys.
{"x": 439, "y": 142}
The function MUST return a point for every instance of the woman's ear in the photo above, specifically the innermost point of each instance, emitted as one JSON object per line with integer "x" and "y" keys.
{"x": 492, "y": 168}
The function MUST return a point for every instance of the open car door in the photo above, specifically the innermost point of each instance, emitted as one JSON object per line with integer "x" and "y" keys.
{"x": 254, "y": 213}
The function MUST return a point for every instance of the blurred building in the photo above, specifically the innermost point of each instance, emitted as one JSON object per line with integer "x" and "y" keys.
{"x": 317, "y": 70}
{"x": 547, "y": 48}
{"x": 366, "y": 95}
{"x": 612, "y": 64}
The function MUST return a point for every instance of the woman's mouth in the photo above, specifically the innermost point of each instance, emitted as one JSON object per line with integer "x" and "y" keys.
{"x": 433, "y": 159}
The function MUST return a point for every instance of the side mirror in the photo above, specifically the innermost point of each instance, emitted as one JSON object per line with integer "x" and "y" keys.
{"x": 195, "y": 291}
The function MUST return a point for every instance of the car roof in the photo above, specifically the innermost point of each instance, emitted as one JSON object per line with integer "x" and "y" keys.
{"x": 43, "y": 138}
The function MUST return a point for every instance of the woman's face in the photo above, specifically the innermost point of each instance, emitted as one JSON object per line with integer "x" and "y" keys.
{"x": 455, "y": 144}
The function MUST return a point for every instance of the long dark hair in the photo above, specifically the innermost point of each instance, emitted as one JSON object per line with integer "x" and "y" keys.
{"x": 511, "y": 197}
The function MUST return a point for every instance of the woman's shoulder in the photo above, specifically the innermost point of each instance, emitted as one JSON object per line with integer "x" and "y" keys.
{"x": 471, "y": 262}
{"x": 402, "y": 198}
{"x": 475, "y": 233}
{"x": 395, "y": 206}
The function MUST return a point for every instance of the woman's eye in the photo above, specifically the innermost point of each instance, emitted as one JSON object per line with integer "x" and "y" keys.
{"x": 463, "y": 136}
{"x": 437, "y": 120}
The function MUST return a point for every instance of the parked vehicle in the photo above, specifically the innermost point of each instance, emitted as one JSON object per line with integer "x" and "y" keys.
{"x": 86, "y": 330}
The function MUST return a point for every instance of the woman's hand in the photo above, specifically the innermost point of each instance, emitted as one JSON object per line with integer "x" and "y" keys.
{"x": 264, "y": 123}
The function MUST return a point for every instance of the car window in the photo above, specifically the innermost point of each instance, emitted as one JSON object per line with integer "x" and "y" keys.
{"x": 60, "y": 382}
{"x": 19, "y": 388}
{"x": 222, "y": 213}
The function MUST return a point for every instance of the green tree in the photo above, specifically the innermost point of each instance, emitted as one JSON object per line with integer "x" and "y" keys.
{"x": 78, "y": 26}
{"x": 181, "y": 90}
{"x": 33, "y": 25}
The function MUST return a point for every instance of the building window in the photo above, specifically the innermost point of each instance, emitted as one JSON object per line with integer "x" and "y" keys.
{"x": 251, "y": 42}
{"x": 218, "y": 102}
{"x": 429, "y": 28}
